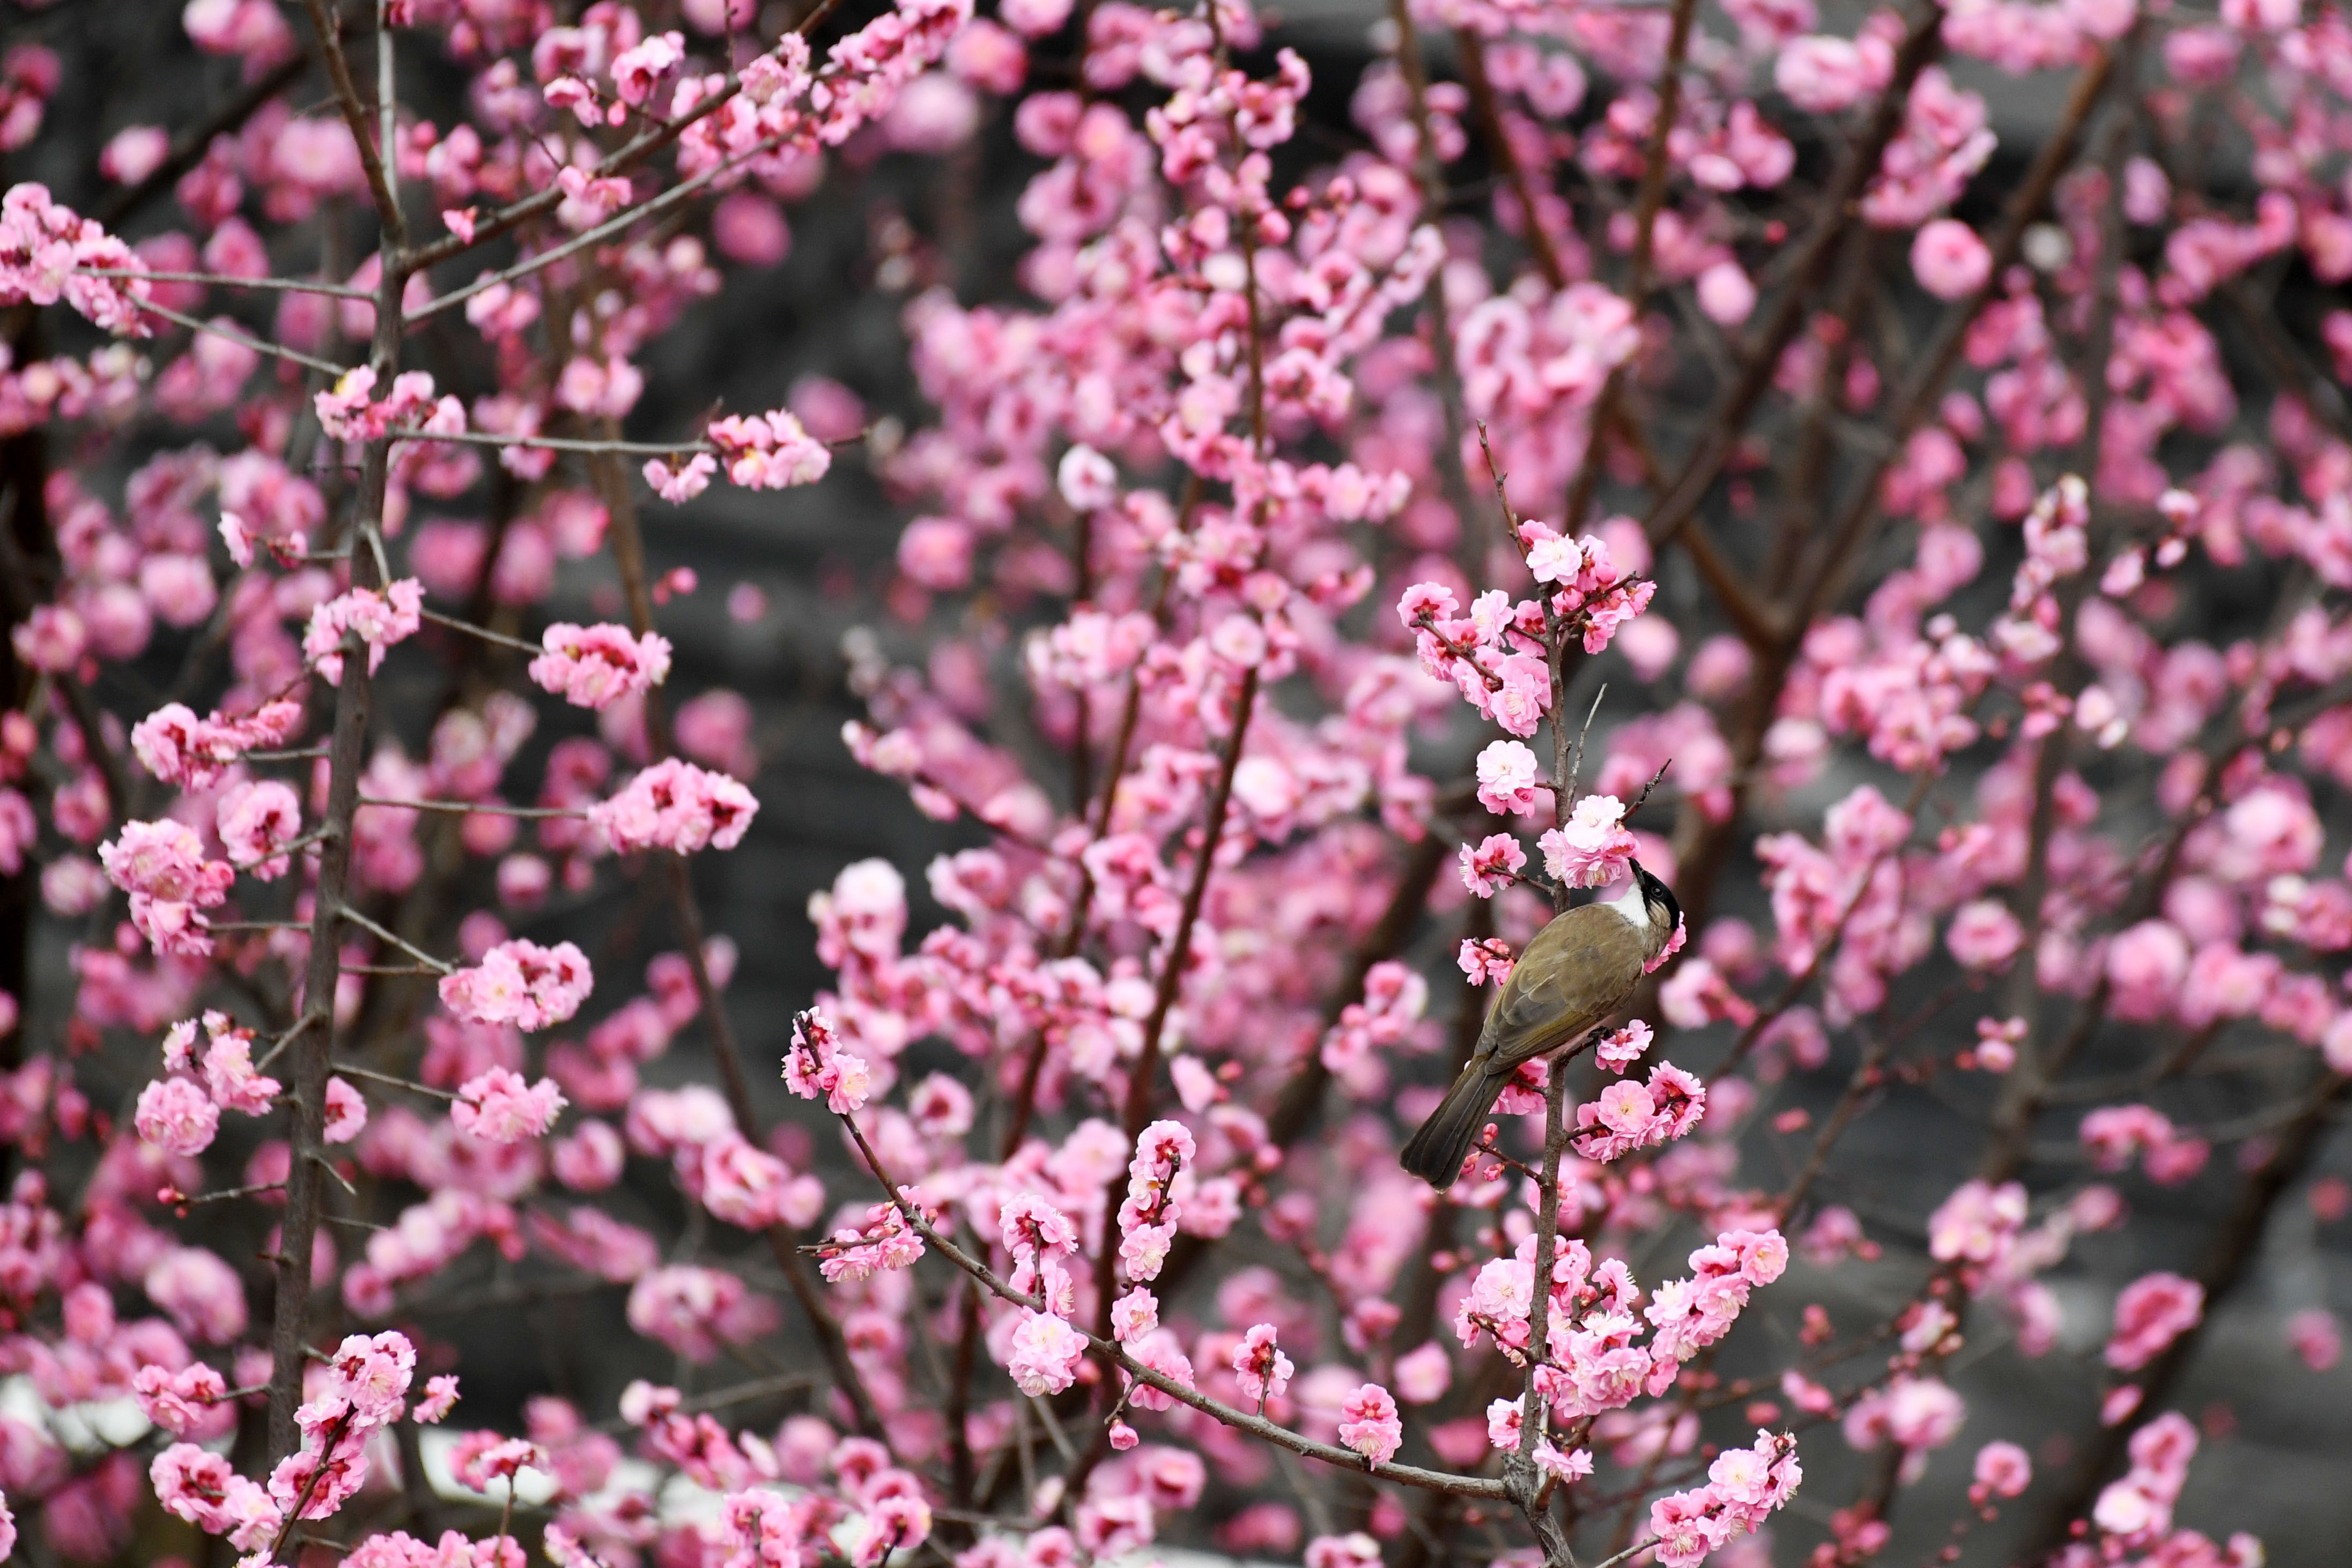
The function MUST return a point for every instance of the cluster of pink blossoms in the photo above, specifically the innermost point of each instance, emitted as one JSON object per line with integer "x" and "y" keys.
{"x": 769, "y": 451}
{"x": 1117, "y": 469}
{"x": 47, "y": 254}
{"x": 350, "y": 411}
{"x": 594, "y": 667}
{"x": 522, "y": 984}
{"x": 163, "y": 867}
{"x": 816, "y": 1067}
{"x": 678, "y": 806}
{"x": 1149, "y": 1214}
{"x": 378, "y": 619}
{"x": 181, "y": 749}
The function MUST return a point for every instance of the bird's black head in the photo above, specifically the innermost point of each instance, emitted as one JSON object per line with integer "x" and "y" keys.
{"x": 1664, "y": 912}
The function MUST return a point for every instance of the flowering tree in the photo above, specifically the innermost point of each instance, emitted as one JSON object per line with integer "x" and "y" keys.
{"x": 1732, "y": 428}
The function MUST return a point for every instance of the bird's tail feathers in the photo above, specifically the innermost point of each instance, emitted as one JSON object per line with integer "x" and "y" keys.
{"x": 1435, "y": 1152}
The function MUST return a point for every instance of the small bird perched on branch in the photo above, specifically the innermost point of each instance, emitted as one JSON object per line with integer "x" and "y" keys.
{"x": 1575, "y": 973}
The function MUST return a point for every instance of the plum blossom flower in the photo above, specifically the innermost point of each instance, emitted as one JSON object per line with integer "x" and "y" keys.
{"x": 1485, "y": 960}
{"x": 1263, "y": 1371}
{"x": 161, "y": 866}
{"x": 678, "y": 483}
{"x": 440, "y": 1398}
{"x": 1949, "y": 260}
{"x": 1044, "y": 1353}
{"x": 1491, "y": 865}
{"x": 1595, "y": 846}
{"x": 179, "y": 1401}
{"x": 695, "y": 1310}
{"x": 498, "y": 1107}
{"x": 2153, "y": 1311}
{"x": 181, "y": 749}
{"x": 817, "y": 1068}
{"x": 229, "y": 1075}
{"x": 1134, "y": 1315}
{"x": 769, "y": 451}
{"x": 177, "y": 1117}
{"x": 1147, "y": 1215}
{"x": 521, "y": 982}
{"x": 886, "y": 1242}
{"x": 678, "y": 806}
{"x": 593, "y": 667}
{"x": 1508, "y": 779}
{"x": 1370, "y": 1425}
{"x": 2002, "y": 1469}
{"x": 347, "y": 1113}
{"x": 255, "y": 823}
{"x": 378, "y": 620}
{"x": 1621, "y": 1048}
{"x": 52, "y": 637}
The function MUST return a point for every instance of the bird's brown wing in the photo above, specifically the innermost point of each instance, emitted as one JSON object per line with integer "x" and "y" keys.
{"x": 1567, "y": 982}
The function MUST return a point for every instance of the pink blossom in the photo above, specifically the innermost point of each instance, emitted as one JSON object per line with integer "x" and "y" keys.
{"x": 161, "y": 866}
{"x": 2317, "y": 1337}
{"x": 1984, "y": 934}
{"x": 816, "y": 1067}
{"x": 1594, "y": 846}
{"x": 180, "y": 1401}
{"x": 886, "y": 1242}
{"x": 1490, "y": 959}
{"x": 498, "y": 1107}
{"x": 1508, "y": 779}
{"x": 769, "y": 451}
{"x": 678, "y": 806}
{"x": 1263, "y": 1371}
{"x": 678, "y": 483}
{"x": 1977, "y": 1223}
{"x": 694, "y": 1310}
{"x": 347, "y": 1113}
{"x": 1044, "y": 1353}
{"x": 1726, "y": 294}
{"x": 177, "y": 1117}
{"x": 521, "y": 982}
{"x": 1949, "y": 260}
{"x": 181, "y": 749}
{"x": 378, "y": 620}
{"x": 440, "y": 1398}
{"x": 1824, "y": 74}
{"x": 2153, "y": 1311}
{"x": 749, "y": 1187}
{"x": 590, "y": 1159}
{"x": 256, "y": 822}
{"x": 590, "y": 667}
{"x": 1372, "y": 1425}
{"x": 2002, "y": 1469}
{"x": 1619, "y": 1048}
{"x": 52, "y": 639}
{"x": 1493, "y": 865}
{"x": 229, "y": 1075}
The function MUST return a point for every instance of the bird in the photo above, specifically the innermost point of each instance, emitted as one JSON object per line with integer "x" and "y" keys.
{"x": 1575, "y": 973}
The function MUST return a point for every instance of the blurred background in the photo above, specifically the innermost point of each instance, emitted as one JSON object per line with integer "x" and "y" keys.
{"x": 796, "y": 603}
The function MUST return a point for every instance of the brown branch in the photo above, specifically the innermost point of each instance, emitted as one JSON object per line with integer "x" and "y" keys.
{"x": 1117, "y": 1356}
{"x": 1504, "y": 156}
{"x": 1520, "y": 1474}
{"x": 1728, "y": 420}
{"x": 328, "y": 26}
{"x": 2229, "y": 1257}
{"x": 1654, "y": 167}
{"x": 312, "y": 1040}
